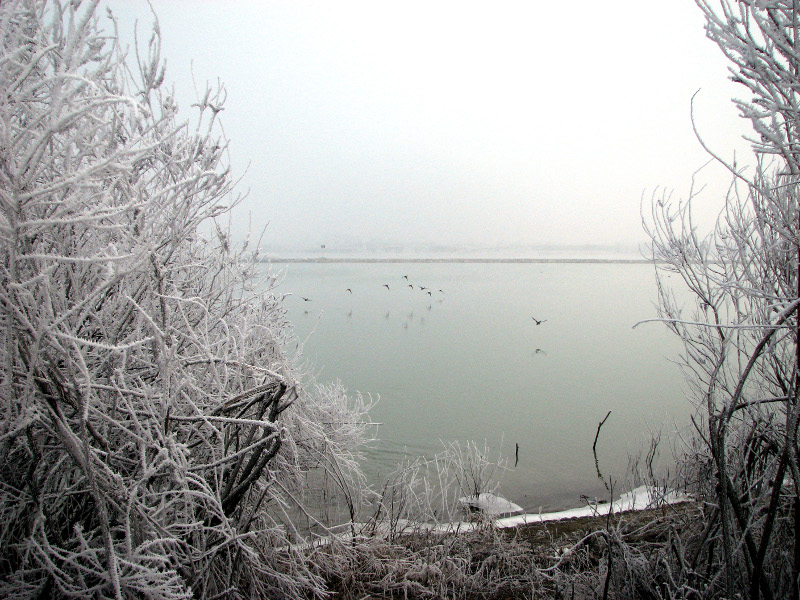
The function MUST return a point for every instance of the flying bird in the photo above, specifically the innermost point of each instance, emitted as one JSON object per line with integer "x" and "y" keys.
{"x": 305, "y": 299}
{"x": 386, "y": 285}
{"x": 537, "y": 321}
{"x": 405, "y": 277}
{"x": 349, "y": 290}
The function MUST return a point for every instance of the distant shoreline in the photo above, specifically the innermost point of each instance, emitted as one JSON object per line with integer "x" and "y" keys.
{"x": 322, "y": 259}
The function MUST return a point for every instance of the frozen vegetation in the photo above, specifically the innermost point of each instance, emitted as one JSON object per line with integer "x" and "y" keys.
{"x": 157, "y": 440}
{"x": 154, "y": 434}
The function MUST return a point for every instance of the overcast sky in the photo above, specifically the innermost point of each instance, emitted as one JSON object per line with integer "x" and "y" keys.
{"x": 454, "y": 122}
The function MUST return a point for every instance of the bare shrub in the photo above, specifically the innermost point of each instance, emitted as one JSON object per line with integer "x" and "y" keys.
{"x": 423, "y": 495}
{"x": 152, "y": 426}
{"x": 480, "y": 564}
{"x": 741, "y": 347}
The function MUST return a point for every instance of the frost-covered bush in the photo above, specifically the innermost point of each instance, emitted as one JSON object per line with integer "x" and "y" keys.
{"x": 741, "y": 333}
{"x": 153, "y": 433}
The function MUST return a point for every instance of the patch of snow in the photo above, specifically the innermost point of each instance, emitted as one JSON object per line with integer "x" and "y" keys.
{"x": 639, "y": 498}
{"x": 490, "y": 504}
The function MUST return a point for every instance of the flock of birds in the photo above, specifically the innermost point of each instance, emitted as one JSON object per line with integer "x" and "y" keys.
{"x": 428, "y": 291}
{"x": 431, "y": 293}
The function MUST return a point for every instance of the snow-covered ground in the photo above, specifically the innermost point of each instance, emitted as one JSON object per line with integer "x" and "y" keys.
{"x": 640, "y": 498}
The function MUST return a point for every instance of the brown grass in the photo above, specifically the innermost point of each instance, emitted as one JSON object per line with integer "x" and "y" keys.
{"x": 557, "y": 559}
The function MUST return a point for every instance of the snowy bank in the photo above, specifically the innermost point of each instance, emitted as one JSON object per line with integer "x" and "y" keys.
{"x": 640, "y": 498}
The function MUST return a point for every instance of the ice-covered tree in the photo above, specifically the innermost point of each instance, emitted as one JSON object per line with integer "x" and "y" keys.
{"x": 154, "y": 432}
{"x": 741, "y": 337}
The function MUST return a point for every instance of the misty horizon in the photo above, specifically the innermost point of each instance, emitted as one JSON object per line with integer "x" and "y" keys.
{"x": 454, "y": 124}
{"x": 400, "y": 249}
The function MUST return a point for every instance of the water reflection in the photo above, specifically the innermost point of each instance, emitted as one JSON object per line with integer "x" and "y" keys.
{"x": 528, "y": 356}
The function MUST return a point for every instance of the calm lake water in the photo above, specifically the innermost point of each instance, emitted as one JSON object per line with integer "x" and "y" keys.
{"x": 470, "y": 363}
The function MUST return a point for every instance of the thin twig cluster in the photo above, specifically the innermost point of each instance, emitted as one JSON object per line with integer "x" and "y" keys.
{"x": 154, "y": 433}
{"x": 741, "y": 333}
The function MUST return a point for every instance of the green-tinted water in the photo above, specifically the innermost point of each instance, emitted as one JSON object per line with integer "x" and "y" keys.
{"x": 470, "y": 363}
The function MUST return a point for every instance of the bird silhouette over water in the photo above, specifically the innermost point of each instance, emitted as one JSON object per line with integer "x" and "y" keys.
{"x": 349, "y": 290}
{"x": 537, "y": 321}
{"x": 405, "y": 277}
{"x": 386, "y": 285}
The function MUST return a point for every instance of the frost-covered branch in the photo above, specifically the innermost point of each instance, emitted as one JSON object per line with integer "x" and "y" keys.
{"x": 151, "y": 416}
{"x": 740, "y": 331}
